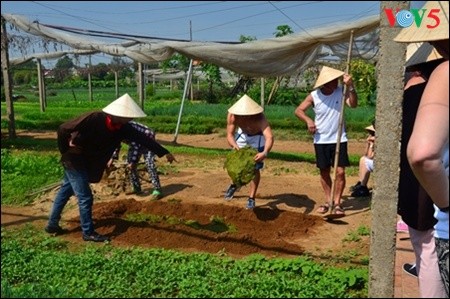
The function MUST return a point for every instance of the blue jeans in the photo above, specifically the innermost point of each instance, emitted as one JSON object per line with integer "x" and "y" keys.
{"x": 75, "y": 182}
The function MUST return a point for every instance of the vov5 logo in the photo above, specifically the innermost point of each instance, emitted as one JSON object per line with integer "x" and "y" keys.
{"x": 406, "y": 18}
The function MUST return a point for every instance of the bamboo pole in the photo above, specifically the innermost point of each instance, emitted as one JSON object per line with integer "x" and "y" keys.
{"x": 341, "y": 121}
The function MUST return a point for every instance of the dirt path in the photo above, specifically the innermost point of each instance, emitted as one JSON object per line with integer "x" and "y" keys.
{"x": 284, "y": 222}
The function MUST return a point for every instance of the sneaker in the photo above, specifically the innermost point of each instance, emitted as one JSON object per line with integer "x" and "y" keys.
{"x": 354, "y": 187}
{"x": 58, "y": 230}
{"x": 402, "y": 227}
{"x": 250, "y": 203}
{"x": 361, "y": 191}
{"x": 410, "y": 269}
{"x": 230, "y": 192}
{"x": 137, "y": 191}
{"x": 95, "y": 237}
{"x": 156, "y": 194}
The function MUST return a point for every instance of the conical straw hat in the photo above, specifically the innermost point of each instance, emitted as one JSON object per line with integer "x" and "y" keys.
{"x": 423, "y": 33}
{"x": 124, "y": 106}
{"x": 417, "y": 53}
{"x": 370, "y": 128}
{"x": 245, "y": 106}
{"x": 327, "y": 74}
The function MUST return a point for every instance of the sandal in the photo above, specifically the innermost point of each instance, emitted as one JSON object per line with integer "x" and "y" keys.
{"x": 338, "y": 210}
{"x": 323, "y": 208}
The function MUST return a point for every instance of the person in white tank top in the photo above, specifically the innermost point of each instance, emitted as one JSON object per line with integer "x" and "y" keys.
{"x": 326, "y": 101}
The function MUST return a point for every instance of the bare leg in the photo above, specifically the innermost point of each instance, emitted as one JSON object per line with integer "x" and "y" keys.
{"x": 254, "y": 184}
{"x": 340, "y": 185}
{"x": 325, "y": 180}
{"x": 364, "y": 173}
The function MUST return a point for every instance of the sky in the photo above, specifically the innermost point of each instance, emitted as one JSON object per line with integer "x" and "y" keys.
{"x": 205, "y": 20}
{"x": 193, "y": 20}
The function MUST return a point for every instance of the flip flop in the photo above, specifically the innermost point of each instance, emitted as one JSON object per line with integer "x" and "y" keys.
{"x": 333, "y": 216}
{"x": 338, "y": 213}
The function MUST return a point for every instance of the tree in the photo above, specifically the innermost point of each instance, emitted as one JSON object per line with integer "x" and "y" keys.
{"x": 244, "y": 39}
{"x": 244, "y": 83}
{"x": 364, "y": 78}
{"x": 63, "y": 69}
{"x": 120, "y": 65}
{"x": 212, "y": 73}
{"x": 283, "y": 30}
{"x": 177, "y": 61}
{"x": 99, "y": 71}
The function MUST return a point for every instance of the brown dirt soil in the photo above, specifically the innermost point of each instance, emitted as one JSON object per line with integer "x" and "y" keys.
{"x": 284, "y": 222}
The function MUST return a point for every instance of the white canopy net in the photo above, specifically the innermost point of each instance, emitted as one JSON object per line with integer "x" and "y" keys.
{"x": 262, "y": 58}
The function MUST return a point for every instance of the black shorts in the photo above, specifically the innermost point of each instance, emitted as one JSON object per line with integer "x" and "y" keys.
{"x": 325, "y": 155}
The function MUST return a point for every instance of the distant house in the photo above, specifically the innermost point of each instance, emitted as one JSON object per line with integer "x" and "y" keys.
{"x": 49, "y": 74}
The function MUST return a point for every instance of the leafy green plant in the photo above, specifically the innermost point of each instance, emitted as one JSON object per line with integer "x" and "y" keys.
{"x": 197, "y": 118}
{"x": 136, "y": 272}
{"x": 363, "y": 230}
{"x": 18, "y": 175}
{"x": 216, "y": 224}
{"x": 355, "y": 236}
{"x": 240, "y": 165}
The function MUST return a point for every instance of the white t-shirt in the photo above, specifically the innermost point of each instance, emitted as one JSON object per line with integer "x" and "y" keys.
{"x": 327, "y": 109}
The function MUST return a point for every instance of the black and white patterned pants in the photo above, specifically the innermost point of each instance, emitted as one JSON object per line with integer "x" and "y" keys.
{"x": 133, "y": 157}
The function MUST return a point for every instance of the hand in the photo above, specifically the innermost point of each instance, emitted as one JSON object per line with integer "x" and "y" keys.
{"x": 311, "y": 127}
{"x": 347, "y": 79}
{"x": 260, "y": 156}
{"x": 110, "y": 163}
{"x": 170, "y": 158}
{"x": 74, "y": 149}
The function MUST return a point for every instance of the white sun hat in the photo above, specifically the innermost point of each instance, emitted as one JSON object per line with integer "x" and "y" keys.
{"x": 327, "y": 74}
{"x": 423, "y": 33}
{"x": 245, "y": 106}
{"x": 124, "y": 106}
{"x": 417, "y": 53}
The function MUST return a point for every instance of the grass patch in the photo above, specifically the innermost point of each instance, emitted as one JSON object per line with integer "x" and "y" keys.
{"x": 217, "y": 224}
{"x": 355, "y": 236}
{"x": 149, "y": 273}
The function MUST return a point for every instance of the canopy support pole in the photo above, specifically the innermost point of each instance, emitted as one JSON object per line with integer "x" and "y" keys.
{"x": 186, "y": 88}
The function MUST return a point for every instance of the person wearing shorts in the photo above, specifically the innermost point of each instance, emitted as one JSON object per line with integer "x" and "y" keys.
{"x": 248, "y": 126}
{"x": 326, "y": 101}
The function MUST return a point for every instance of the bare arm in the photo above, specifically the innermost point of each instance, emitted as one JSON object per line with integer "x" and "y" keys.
{"x": 351, "y": 98}
{"x": 231, "y": 128}
{"x": 430, "y": 136}
{"x": 370, "y": 153}
{"x": 268, "y": 136}
{"x": 300, "y": 112}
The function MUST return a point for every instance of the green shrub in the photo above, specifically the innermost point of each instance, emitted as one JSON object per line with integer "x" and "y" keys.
{"x": 149, "y": 90}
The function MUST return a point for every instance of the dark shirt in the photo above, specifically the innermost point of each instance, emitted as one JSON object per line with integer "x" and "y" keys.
{"x": 95, "y": 143}
{"x": 414, "y": 204}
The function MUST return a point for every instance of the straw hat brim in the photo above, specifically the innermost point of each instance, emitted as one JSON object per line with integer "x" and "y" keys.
{"x": 417, "y": 53}
{"x": 245, "y": 106}
{"x": 370, "y": 128}
{"x": 327, "y": 74}
{"x": 423, "y": 33}
{"x": 125, "y": 107}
